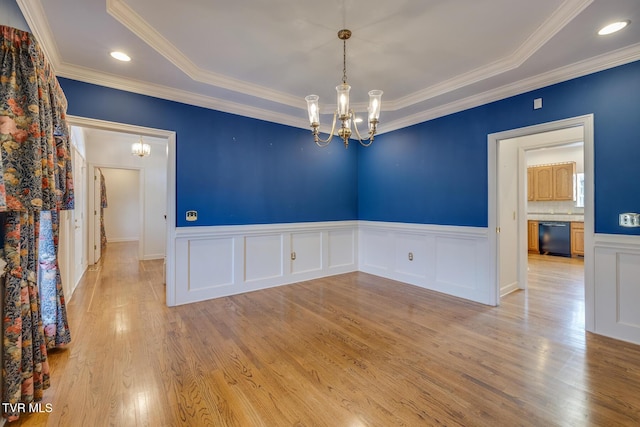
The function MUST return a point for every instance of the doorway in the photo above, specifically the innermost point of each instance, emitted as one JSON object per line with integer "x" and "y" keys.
{"x": 501, "y": 249}
{"x": 164, "y": 217}
{"x": 118, "y": 206}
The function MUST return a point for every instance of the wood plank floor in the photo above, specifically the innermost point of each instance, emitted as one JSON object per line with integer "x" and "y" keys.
{"x": 351, "y": 350}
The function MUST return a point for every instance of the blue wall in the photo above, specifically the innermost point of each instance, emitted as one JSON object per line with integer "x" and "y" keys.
{"x": 236, "y": 170}
{"x": 436, "y": 172}
{"x": 233, "y": 169}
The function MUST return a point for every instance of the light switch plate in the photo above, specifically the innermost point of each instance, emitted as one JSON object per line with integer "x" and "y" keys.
{"x": 192, "y": 215}
{"x": 630, "y": 219}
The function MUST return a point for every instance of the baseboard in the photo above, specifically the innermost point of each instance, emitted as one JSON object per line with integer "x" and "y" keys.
{"x": 121, "y": 239}
{"x": 509, "y": 288}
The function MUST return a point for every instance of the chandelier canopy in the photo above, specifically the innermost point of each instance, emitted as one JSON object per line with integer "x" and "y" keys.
{"x": 343, "y": 112}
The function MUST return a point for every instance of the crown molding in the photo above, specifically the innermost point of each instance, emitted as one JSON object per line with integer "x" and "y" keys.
{"x": 39, "y": 25}
{"x": 578, "y": 69}
{"x": 36, "y": 19}
{"x": 557, "y": 21}
{"x": 172, "y": 94}
{"x": 568, "y": 10}
{"x": 137, "y": 25}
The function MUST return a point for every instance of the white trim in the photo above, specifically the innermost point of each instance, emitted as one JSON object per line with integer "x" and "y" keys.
{"x": 616, "y": 270}
{"x": 428, "y": 256}
{"x": 37, "y": 21}
{"x": 616, "y": 241}
{"x": 124, "y": 240}
{"x": 217, "y": 261}
{"x": 556, "y": 22}
{"x": 257, "y": 229}
{"x": 136, "y": 24}
{"x": 579, "y": 69}
{"x": 443, "y": 230}
{"x": 492, "y": 165}
{"x": 171, "y": 185}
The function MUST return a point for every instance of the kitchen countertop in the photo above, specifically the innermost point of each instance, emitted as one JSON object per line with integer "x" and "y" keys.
{"x": 555, "y": 217}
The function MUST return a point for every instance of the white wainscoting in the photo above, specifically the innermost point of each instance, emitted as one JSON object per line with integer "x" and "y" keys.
{"x": 447, "y": 259}
{"x": 218, "y": 261}
{"x": 617, "y": 286}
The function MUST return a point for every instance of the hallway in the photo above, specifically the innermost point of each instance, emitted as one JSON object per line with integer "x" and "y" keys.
{"x": 348, "y": 350}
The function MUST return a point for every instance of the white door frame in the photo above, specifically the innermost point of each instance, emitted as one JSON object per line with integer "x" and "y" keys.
{"x": 96, "y": 240}
{"x": 171, "y": 186}
{"x": 494, "y": 251}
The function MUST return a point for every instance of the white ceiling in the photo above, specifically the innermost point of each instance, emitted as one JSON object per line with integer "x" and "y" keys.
{"x": 260, "y": 58}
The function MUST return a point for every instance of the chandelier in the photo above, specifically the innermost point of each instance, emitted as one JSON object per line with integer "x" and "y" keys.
{"x": 343, "y": 112}
{"x": 140, "y": 148}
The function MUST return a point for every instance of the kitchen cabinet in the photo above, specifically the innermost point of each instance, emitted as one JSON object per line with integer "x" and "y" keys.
{"x": 543, "y": 183}
{"x": 563, "y": 181}
{"x": 551, "y": 182}
{"x": 577, "y": 238}
{"x": 533, "y": 236}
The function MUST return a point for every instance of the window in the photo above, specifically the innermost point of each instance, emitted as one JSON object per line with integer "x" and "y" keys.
{"x": 580, "y": 190}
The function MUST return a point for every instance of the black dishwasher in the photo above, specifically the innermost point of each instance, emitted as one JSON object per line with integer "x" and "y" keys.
{"x": 555, "y": 238}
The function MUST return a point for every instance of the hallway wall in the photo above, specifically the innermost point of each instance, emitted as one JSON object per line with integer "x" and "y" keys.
{"x": 113, "y": 150}
{"x": 122, "y": 215}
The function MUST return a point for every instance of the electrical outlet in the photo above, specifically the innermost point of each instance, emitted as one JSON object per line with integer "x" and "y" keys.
{"x": 630, "y": 219}
{"x": 192, "y": 215}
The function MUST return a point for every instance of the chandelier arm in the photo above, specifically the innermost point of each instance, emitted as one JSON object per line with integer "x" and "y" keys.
{"x": 364, "y": 142}
{"x": 324, "y": 142}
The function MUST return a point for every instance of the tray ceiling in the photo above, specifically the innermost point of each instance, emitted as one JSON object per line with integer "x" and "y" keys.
{"x": 260, "y": 58}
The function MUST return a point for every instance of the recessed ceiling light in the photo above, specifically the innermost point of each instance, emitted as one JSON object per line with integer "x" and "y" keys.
{"x": 612, "y": 28}
{"x": 120, "y": 56}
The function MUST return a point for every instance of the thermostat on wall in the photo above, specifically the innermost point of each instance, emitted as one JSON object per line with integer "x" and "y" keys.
{"x": 192, "y": 215}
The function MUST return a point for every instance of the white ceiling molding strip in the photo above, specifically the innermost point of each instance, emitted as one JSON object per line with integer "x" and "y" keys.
{"x": 137, "y": 25}
{"x": 36, "y": 19}
{"x": 39, "y": 26}
{"x": 164, "y": 92}
{"x": 558, "y": 20}
{"x": 579, "y": 69}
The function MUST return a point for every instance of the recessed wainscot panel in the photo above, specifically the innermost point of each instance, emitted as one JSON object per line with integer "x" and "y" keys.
{"x": 308, "y": 252}
{"x": 210, "y": 263}
{"x": 412, "y": 255}
{"x": 263, "y": 257}
{"x": 629, "y": 289}
{"x": 341, "y": 248}
{"x": 456, "y": 262}
{"x": 376, "y": 249}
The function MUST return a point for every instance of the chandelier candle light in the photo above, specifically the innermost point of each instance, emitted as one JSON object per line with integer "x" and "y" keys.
{"x": 343, "y": 112}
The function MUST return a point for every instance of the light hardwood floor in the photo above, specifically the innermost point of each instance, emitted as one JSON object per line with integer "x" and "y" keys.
{"x": 351, "y": 350}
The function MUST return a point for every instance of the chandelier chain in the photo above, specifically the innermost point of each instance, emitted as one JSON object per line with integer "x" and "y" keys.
{"x": 344, "y": 61}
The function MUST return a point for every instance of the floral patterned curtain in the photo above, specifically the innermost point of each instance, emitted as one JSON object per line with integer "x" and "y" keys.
{"x": 35, "y": 176}
{"x": 103, "y": 205}
{"x": 52, "y": 305}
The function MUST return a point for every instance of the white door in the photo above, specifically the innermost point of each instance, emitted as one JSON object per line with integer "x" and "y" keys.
{"x": 78, "y": 216}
